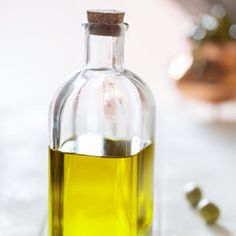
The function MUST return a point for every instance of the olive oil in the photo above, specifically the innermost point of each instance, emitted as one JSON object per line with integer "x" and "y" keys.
{"x": 101, "y": 195}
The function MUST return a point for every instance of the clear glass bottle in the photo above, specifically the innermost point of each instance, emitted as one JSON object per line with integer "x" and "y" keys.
{"x": 101, "y": 150}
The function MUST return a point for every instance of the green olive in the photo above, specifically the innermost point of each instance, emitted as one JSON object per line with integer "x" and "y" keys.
{"x": 209, "y": 211}
{"x": 193, "y": 194}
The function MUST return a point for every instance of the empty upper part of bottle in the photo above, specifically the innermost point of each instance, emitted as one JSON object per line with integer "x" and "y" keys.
{"x": 104, "y": 101}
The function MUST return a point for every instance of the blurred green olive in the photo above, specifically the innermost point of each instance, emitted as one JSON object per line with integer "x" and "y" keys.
{"x": 193, "y": 193}
{"x": 208, "y": 211}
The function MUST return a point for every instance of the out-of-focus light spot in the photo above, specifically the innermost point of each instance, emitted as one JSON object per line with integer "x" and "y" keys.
{"x": 199, "y": 33}
{"x": 209, "y": 22}
{"x": 180, "y": 65}
{"x": 218, "y": 11}
{"x": 232, "y": 31}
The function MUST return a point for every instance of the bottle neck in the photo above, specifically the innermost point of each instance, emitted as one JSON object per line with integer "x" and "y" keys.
{"x": 104, "y": 51}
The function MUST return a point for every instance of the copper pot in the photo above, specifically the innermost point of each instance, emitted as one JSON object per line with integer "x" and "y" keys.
{"x": 212, "y": 74}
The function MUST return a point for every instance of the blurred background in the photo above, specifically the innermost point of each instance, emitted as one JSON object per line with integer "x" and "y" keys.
{"x": 184, "y": 50}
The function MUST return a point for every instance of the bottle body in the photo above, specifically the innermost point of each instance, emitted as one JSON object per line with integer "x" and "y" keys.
{"x": 101, "y": 151}
{"x": 101, "y": 195}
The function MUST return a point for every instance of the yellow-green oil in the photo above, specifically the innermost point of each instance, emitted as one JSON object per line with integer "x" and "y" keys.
{"x": 100, "y": 195}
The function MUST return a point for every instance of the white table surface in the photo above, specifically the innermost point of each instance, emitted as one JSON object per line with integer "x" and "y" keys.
{"x": 40, "y": 45}
{"x": 188, "y": 149}
{"x": 202, "y": 150}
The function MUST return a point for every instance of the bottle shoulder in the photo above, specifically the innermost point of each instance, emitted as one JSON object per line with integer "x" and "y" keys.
{"x": 139, "y": 82}
{"x": 89, "y": 82}
{"x": 63, "y": 92}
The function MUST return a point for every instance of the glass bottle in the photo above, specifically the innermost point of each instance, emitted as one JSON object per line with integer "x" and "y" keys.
{"x": 101, "y": 150}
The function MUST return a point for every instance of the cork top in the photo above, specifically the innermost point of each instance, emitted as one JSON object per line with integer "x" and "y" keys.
{"x": 105, "y": 22}
{"x": 108, "y": 17}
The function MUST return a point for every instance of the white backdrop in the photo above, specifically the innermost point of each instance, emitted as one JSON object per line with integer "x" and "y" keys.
{"x": 41, "y": 43}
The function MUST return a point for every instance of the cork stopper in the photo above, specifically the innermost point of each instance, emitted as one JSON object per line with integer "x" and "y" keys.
{"x": 105, "y": 22}
{"x": 109, "y": 17}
